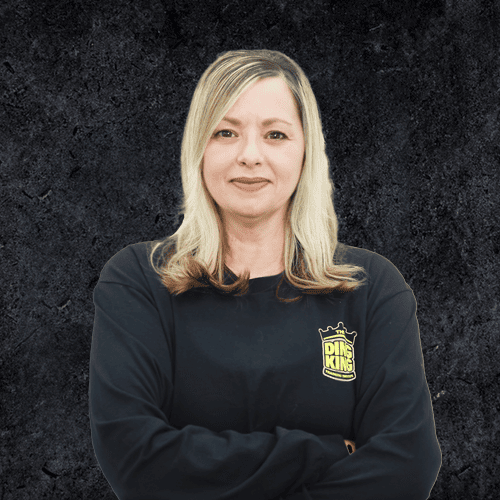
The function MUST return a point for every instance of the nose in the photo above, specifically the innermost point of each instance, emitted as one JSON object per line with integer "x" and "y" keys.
{"x": 250, "y": 152}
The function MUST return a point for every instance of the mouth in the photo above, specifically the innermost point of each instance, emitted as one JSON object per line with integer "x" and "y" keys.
{"x": 250, "y": 181}
{"x": 250, "y": 186}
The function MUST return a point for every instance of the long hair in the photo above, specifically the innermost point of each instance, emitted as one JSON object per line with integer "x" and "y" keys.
{"x": 194, "y": 256}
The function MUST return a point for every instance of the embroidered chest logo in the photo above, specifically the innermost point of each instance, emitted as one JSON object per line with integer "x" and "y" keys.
{"x": 338, "y": 353}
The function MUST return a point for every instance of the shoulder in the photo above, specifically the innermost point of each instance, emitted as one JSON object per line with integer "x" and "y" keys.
{"x": 129, "y": 265}
{"x": 382, "y": 274}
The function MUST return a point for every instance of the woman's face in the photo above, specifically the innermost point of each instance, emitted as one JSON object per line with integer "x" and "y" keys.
{"x": 249, "y": 143}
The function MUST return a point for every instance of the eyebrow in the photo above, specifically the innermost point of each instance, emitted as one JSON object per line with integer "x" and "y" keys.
{"x": 265, "y": 123}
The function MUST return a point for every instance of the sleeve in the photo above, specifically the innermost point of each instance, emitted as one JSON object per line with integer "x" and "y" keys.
{"x": 397, "y": 452}
{"x": 142, "y": 456}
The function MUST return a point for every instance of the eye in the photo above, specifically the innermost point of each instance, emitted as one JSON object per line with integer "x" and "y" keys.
{"x": 218, "y": 134}
{"x": 280, "y": 133}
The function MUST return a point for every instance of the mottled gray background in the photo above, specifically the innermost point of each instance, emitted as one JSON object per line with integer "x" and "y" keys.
{"x": 94, "y": 96}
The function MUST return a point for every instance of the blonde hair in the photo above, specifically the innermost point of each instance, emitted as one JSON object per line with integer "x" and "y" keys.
{"x": 194, "y": 256}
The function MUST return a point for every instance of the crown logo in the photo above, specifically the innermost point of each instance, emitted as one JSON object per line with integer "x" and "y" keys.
{"x": 338, "y": 353}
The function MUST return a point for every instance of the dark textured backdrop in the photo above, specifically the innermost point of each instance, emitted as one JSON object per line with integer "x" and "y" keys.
{"x": 94, "y": 96}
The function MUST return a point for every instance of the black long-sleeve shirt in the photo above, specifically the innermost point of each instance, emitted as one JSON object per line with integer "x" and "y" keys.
{"x": 206, "y": 396}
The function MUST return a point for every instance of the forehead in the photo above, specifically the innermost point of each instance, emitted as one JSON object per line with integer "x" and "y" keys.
{"x": 268, "y": 96}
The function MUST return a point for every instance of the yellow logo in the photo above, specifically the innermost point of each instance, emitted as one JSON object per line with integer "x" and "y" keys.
{"x": 338, "y": 353}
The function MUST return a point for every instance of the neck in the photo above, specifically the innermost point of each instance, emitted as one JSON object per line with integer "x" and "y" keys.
{"x": 259, "y": 251}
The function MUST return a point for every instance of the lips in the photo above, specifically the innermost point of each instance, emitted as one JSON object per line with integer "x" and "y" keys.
{"x": 250, "y": 181}
{"x": 251, "y": 187}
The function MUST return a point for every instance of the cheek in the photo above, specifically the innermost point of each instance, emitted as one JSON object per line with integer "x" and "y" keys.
{"x": 209, "y": 162}
{"x": 215, "y": 156}
{"x": 294, "y": 155}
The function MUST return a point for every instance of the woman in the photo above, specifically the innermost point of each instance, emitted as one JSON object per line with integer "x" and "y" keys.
{"x": 207, "y": 383}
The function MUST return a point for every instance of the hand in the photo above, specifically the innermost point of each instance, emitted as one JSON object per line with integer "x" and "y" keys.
{"x": 352, "y": 443}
